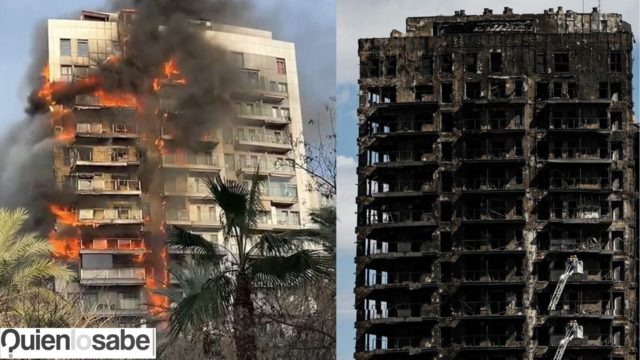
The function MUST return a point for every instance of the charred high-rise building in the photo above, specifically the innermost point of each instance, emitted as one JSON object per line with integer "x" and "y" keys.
{"x": 497, "y": 191}
{"x": 135, "y": 144}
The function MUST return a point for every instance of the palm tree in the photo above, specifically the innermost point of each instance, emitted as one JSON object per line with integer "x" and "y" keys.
{"x": 27, "y": 267}
{"x": 258, "y": 261}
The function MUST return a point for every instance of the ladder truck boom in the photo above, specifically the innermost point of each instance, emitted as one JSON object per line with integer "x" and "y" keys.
{"x": 574, "y": 266}
{"x": 574, "y": 331}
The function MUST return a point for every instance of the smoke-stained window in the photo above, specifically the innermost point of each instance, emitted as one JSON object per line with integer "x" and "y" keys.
{"x": 281, "y": 66}
{"x": 66, "y": 73}
{"x": 65, "y": 47}
{"x": 615, "y": 61}
{"x": 83, "y": 48}
{"x": 237, "y": 59}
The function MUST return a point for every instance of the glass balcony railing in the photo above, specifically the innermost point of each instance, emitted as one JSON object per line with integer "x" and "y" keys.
{"x": 267, "y": 137}
{"x": 107, "y": 185}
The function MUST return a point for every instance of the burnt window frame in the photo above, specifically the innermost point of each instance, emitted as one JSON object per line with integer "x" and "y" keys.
{"x": 492, "y": 66}
{"x": 390, "y": 65}
{"x": 617, "y": 65}
{"x": 502, "y": 88}
{"x": 450, "y": 93}
{"x": 422, "y": 90}
{"x": 540, "y": 62}
{"x": 426, "y": 64}
{"x": 446, "y": 63}
{"x": 518, "y": 88}
{"x": 471, "y": 62}
{"x": 561, "y": 66}
{"x": 479, "y": 89}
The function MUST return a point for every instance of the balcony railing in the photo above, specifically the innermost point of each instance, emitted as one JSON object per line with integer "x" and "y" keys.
{"x": 582, "y": 212}
{"x": 398, "y": 278}
{"x": 405, "y": 186}
{"x": 112, "y": 276}
{"x": 472, "y": 214}
{"x": 252, "y": 81}
{"x": 589, "y": 339}
{"x": 490, "y": 244}
{"x": 487, "y": 184}
{"x": 279, "y": 190}
{"x": 103, "y": 156}
{"x": 403, "y": 310}
{"x": 589, "y": 274}
{"x": 204, "y": 160}
{"x": 490, "y": 275}
{"x": 582, "y": 307}
{"x": 579, "y": 153}
{"x": 401, "y": 343}
{"x": 569, "y": 244}
{"x": 288, "y": 219}
{"x": 264, "y": 137}
{"x": 263, "y": 112}
{"x": 98, "y": 129}
{"x": 492, "y": 153}
{"x": 107, "y": 186}
{"x": 265, "y": 163}
{"x": 585, "y": 183}
{"x": 115, "y": 244}
{"x": 488, "y": 307}
{"x": 184, "y": 216}
{"x": 400, "y": 247}
{"x": 112, "y": 215}
{"x": 403, "y": 156}
{"x": 491, "y": 124}
{"x": 402, "y": 126}
{"x": 490, "y": 341}
{"x": 399, "y": 217}
{"x": 593, "y": 123}
{"x": 121, "y": 307}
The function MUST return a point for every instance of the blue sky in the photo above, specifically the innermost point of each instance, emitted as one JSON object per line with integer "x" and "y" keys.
{"x": 377, "y": 19}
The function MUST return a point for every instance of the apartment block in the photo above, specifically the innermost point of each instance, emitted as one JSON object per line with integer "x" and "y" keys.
{"x": 111, "y": 230}
{"x": 497, "y": 191}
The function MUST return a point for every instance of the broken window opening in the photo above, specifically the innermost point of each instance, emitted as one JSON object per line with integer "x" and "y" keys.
{"x": 615, "y": 61}
{"x": 518, "y": 90}
{"x": 557, "y": 89}
{"x": 572, "y": 90}
{"x": 561, "y": 62}
{"x": 473, "y": 90}
{"x": 542, "y": 91}
{"x": 446, "y": 122}
{"x": 390, "y": 66}
{"x": 446, "y": 92}
{"x": 496, "y": 62}
{"x": 498, "y": 89}
{"x": 541, "y": 63}
{"x": 446, "y": 63}
{"x": 426, "y": 64}
{"x": 424, "y": 92}
{"x": 471, "y": 62}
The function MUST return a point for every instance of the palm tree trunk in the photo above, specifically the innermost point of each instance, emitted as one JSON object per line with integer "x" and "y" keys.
{"x": 244, "y": 334}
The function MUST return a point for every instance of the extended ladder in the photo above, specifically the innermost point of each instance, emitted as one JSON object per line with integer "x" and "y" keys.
{"x": 574, "y": 331}
{"x": 574, "y": 266}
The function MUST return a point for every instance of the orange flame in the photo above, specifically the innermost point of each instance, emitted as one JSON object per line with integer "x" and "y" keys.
{"x": 65, "y": 247}
{"x": 161, "y": 147}
{"x": 170, "y": 72}
{"x": 116, "y": 99}
{"x": 66, "y": 135}
{"x": 64, "y": 215}
{"x": 58, "y": 112}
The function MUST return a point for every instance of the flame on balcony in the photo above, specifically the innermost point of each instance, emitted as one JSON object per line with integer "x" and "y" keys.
{"x": 66, "y": 136}
{"x": 170, "y": 72}
{"x": 161, "y": 146}
{"x": 64, "y": 216}
{"x": 65, "y": 247}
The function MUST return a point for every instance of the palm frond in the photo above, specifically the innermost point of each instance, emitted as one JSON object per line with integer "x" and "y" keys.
{"x": 303, "y": 266}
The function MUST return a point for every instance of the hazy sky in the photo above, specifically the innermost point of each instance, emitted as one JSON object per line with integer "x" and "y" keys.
{"x": 377, "y": 19}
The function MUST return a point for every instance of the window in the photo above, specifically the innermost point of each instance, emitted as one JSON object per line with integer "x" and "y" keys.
{"x": 471, "y": 62}
{"x": 541, "y": 63}
{"x": 572, "y": 90}
{"x": 615, "y": 61}
{"x": 446, "y": 63}
{"x": 370, "y": 67}
{"x": 473, "y": 90}
{"x": 603, "y": 90}
{"x": 237, "y": 59}
{"x": 561, "y": 62}
{"x": 426, "y": 65}
{"x": 83, "y": 48}
{"x": 65, "y": 47}
{"x": 496, "y": 62}
{"x": 423, "y": 91}
{"x": 66, "y": 74}
{"x": 281, "y": 67}
{"x": 390, "y": 66}
{"x": 498, "y": 89}
{"x": 518, "y": 90}
{"x": 282, "y": 87}
{"x": 446, "y": 92}
{"x": 80, "y": 72}
{"x": 542, "y": 91}
{"x": 557, "y": 89}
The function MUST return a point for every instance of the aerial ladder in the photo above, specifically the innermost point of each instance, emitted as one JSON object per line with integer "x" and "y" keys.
{"x": 574, "y": 331}
{"x": 574, "y": 266}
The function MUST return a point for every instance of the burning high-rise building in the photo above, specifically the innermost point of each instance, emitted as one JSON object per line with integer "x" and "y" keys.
{"x": 144, "y": 108}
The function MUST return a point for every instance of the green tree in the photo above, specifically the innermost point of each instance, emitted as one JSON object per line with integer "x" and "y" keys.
{"x": 257, "y": 261}
{"x": 27, "y": 269}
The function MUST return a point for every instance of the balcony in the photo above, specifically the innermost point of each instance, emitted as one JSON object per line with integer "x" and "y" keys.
{"x": 410, "y": 345}
{"x": 490, "y": 245}
{"x": 491, "y": 341}
{"x": 398, "y": 312}
{"x": 104, "y": 156}
{"x": 494, "y": 215}
{"x": 387, "y": 218}
{"x": 590, "y": 274}
{"x": 494, "y": 124}
{"x": 99, "y": 130}
{"x": 583, "y": 244}
{"x": 287, "y": 220}
{"x": 191, "y": 161}
{"x": 398, "y": 279}
{"x": 265, "y": 114}
{"x": 210, "y": 136}
{"x": 184, "y": 189}
{"x": 258, "y": 139}
{"x": 110, "y": 216}
{"x": 498, "y": 154}
{"x": 492, "y": 184}
{"x": 402, "y": 158}
{"x": 583, "y": 308}
{"x": 579, "y": 184}
{"x": 580, "y": 154}
{"x": 132, "y": 246}
{"x": 124, "y": 276}
{"x": 107, "y": 187}
{"x": 265, "y": 165}
{"x": 258, "y": 87}
{"x": 579, "y": 124}
{"x": 399, "y": 127}
{"x": 488, "y": 308}
{"x": 403, "y": 188}
{"x": 585, "y": 213}
{"x": 182, "y": 217}
{"x": 121, "y": 307}
{"x": 282, "y": 193}
{"x": 491, "y": 276}
{"x": 588, "y": 340}
{"x": 376, "y": 249}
